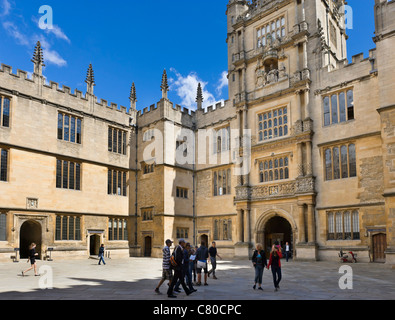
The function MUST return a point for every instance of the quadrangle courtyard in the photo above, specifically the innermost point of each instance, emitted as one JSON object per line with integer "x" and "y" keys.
{"x": 136, "y": 279}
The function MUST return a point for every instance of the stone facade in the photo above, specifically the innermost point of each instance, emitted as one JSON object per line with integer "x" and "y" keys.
{"x": 302, "y": 152}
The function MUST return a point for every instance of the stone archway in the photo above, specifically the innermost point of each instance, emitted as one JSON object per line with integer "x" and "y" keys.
{"x": 275, "y": 225}
{"x": 30, "y": 232}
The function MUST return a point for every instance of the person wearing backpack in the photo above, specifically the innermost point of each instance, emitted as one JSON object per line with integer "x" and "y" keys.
{"x": 177, "y": 264}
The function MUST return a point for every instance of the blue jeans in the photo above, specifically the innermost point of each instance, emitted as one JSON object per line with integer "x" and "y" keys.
{"x": 258, "y": 273}
{"x": 101, "y": 258}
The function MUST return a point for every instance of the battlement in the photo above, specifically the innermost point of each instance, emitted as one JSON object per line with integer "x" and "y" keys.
{"x": 55, "y": 89}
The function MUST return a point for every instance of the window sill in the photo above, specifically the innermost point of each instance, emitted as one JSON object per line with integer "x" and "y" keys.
{"x": 339, "y": 123}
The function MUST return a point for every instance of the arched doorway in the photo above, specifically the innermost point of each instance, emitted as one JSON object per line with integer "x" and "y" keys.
{"x": 204, "y": 238}
{"x": 147, "y": 247}
{"x": 277, "y": 229}
{"x": 30, "y": 232}
{"x": 94, "y": 244}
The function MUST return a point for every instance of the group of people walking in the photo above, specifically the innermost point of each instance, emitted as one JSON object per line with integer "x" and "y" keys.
{"x": 186, "y": 261}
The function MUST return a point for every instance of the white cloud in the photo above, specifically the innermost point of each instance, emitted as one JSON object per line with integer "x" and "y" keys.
{"x": 6, "y": 8}
{"x": 14, "y": 32}
{"x": 186, "y": 89}
{"x": 57, "y": 31}
{"x": 51, "y": 56}
{"x": 223, "y": 82}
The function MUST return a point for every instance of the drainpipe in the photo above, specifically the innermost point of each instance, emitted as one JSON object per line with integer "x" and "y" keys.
{"x": 136, "y": 189}
{"x": 193, "y": 186}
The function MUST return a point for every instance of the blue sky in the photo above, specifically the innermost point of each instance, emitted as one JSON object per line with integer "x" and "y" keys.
{"x": 133, "y": 41}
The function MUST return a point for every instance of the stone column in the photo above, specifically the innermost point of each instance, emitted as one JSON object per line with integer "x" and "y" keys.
{"x": 300, "y": 160}
{"x": 306, "y": 103}
{"x": 247, "y": 226}
{"x": 302, "y": 232}
{"x": 309, "y": 162}
{"x": 305, "y": 66}
{"x": 240, "y": 225}
{"x": 246, "y": 176}
{"x": 299, "y": 104}
{"x": 311, "y": 224}
{"x": 303, "y": 12}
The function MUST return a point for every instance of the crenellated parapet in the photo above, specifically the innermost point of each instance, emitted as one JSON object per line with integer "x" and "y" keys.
{"x": 23, "y": 83}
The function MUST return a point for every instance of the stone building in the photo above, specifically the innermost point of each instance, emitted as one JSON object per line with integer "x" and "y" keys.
{"x": 302, "y": 152}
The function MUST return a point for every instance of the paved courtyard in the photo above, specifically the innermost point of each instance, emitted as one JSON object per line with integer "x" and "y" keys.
{"x": 136, "y": 278}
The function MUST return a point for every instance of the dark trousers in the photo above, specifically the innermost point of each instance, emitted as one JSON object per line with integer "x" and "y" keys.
{"x": 276, "y": 271}
{"x": 187, "y": 276}
{"x": 178, "y": 275}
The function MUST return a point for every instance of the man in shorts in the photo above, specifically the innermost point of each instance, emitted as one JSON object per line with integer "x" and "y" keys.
{"x": 167, "y": 273}
{"x": 201, "y": 257}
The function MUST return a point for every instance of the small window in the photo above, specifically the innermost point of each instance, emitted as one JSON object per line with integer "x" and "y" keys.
{"x": 3, "y": 165}
{"x": 69, "y": 128}
{"x": 68, "y": 175}
{"x": 5, "y": 112}
{"x": 117, "y": 229}
{"x": 117, "y": 141}
{"x": 68, "y": 228}
{"x": 338, "y": 107}
{"x": 182, "y": 193}
{"x": 340, "y": 162}
{"x": 117, "y": 182}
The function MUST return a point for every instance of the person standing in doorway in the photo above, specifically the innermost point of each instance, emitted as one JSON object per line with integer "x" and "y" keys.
{"x": 213, "y": 253}
{"x": 167, "y": 273}
{"x": 32, "y": 259}
{"x": 287, "y": 251}
{"x": 275, "y": 263}
{"x": 259, "y": 262}
{"x": 101, "y": 255}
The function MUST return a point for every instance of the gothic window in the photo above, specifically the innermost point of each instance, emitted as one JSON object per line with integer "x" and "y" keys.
{"x": 270, "y": 170}
{"x": 117, "y": 182}
{"x": 117, "y": 229}
{"x": 147, "y": 214}
{"x": 117, "y": 141}
{"x": 3, "y": 165}
{"x": 69, "y": 128}
{"x": 68, "y": 175}
{"x": 222, "y": 182}
{"x": 67, "y": 228}
{"x": 148, "y": 168}
{"x": 273, "y": 124}
{"x": 271, "y": 31}
{"x": 343, "y": 225}
{"x": 182, "y": 193}
{"x": 223, "y": 229}
{"x": 4, "y": 111}
{"x": 221, "y": 140}
{"x": 340, "y": 162}
{"x": 148, "y": 135}
{"x": 338, "y": 107}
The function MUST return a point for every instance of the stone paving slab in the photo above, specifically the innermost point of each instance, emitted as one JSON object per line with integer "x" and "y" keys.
{"x": 136, "y": 279}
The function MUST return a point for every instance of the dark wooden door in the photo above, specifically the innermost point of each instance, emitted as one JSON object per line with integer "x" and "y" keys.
{"x": 379, "y": 247}
{"x": 148, "y": 247}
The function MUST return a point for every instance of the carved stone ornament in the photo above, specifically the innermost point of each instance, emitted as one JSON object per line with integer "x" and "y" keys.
{"x": 31, "y": 203}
